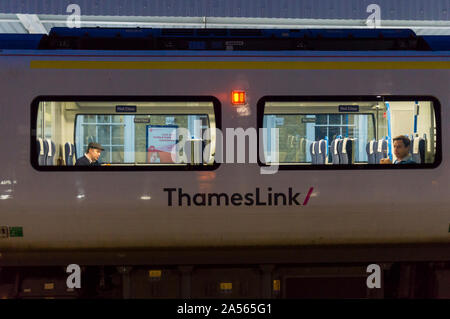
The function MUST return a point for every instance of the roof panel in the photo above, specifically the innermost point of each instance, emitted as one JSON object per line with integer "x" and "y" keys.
{"x": 420, "y": 27}
{"x": 307, "y": 9}
{"x": 423, "y": 16}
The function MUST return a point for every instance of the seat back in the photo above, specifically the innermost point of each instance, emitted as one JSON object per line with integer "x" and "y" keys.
{"x": 418, "y": 147}
{"x": 381, "y": 150}
{"x": 345, "y": 150}
{"x": 371, "y": 149}
{"x": 334, "y": 149}
{"x": 312, "y": 151}
{"x": 42, "y": 150}
{"x": 321, "y": 151}
{"x": 69, "y": 154}
{"x": 50, "y": 153}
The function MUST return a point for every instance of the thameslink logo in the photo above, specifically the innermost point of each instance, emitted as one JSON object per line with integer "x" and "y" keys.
{"x": 176, "y": 196}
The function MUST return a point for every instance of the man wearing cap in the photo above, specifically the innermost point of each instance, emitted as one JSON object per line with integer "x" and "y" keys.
{"x": 93, "y": 152}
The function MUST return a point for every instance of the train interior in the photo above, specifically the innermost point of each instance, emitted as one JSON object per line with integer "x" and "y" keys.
{"x": 131, "y": 133}
{"x": 348, "y": 132}
{"x": 306, "y": 133}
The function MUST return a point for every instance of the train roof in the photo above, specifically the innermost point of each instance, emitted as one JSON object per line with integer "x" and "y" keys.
{"x": 225, "y": 39}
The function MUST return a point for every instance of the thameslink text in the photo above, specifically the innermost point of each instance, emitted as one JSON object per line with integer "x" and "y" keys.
{"x": 176, "y": 196}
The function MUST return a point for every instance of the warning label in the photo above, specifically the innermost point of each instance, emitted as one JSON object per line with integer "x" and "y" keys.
{"x": 15, "y": 231}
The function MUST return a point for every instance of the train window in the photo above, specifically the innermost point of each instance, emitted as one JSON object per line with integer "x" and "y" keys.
{"x": 135, "y": 133}
{"x": 356, "y": 133}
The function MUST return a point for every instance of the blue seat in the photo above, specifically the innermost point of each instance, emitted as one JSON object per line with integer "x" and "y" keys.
{"x": 312, "y": 151}
{"x": 51, "y": 151}
{"x": 334, "y": 149}
{"x": 371, "y": 148}
{"x": 74, "y": 150}
{"x": 381, "y": 150}
{"x": 418, "y": 147}
{"x": 69, "y": 154}
{"x": 321, "y": 151}
{"x": 42, "y": 150}
{"x": 345, "y": 151}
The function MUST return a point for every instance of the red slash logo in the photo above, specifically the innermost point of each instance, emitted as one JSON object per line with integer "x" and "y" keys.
{"x": 308, "y": 196}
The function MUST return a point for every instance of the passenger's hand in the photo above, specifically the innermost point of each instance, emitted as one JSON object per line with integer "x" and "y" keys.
{"x": 385, "y": 161}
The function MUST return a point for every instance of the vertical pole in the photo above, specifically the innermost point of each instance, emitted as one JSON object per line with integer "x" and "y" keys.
{"x": 388, "y": 113}
{"x": 416, "y": 113}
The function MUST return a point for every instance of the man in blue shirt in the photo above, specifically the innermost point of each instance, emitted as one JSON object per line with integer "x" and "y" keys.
{"x": 401, "y": 151}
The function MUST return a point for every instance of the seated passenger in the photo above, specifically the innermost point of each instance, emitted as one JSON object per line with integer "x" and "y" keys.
{"x": 401, "y": 151}
{"x": 93, "y": 152}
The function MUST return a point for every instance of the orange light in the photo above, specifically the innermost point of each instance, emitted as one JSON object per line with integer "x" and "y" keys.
{"x": 238, "y": 97}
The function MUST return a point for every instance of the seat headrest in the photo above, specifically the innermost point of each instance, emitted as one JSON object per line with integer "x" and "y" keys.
{"x": 380, "y": 145}
{"x": 371, "y": 147}
{"x": 416, "y": 144}
{"x": 41, "y": 146}
{"x": 320, "y": 146}
{"x": 335, "y": 146}
{"x": 50, "y": 149}
{"x": 69, "y": 145}
{"x": 344, "y": 145}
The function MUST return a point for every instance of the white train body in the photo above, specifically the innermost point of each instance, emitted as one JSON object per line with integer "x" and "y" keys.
{"x": 234, "y": 232}
{"x": 118, "y": 210}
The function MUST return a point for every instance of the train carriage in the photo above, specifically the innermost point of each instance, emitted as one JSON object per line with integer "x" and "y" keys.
{"x": 194, "y": 184}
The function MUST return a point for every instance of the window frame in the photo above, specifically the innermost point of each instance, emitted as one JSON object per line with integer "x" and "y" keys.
{"x": 346, "y": 98}
{"x": 119, "y": 98}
